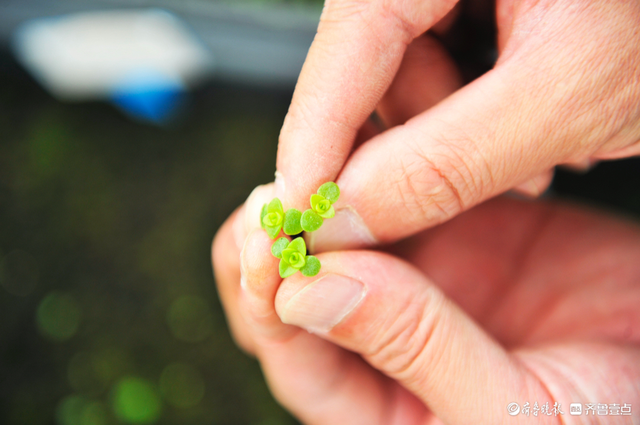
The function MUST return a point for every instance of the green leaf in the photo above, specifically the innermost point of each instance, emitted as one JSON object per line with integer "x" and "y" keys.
{"x": 292, "y": 222}
{"x": 329, "y": 190}
{"x": 322, "y": 206}
{"x": 273, "y": 231}
{"x": 262, "y": 214}
{"x": 273, "y": 219}
{"x": 311, "y": 267}
{"x": 286, "y": 270}
{"x": 286, "y": 254}
{"x": 275, "y": 206}
{"x": 299, "y": 245}
{"x": 310, "y": 221}
{"x": 315, "y": 200}
{"x": 278, "y": 246}
{"x": 294, "y": 258}
{"x": 330, "y": 213}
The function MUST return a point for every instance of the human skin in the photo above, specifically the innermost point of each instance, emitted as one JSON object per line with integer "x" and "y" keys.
{"x": 512, "y": 301}
{"x": 565, "y": 90}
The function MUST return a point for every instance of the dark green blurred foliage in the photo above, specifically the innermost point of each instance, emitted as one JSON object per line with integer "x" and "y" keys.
{"x": 107, "y": 300}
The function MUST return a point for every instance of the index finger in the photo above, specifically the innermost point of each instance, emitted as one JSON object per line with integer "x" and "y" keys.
{"x": 351, "y": 63}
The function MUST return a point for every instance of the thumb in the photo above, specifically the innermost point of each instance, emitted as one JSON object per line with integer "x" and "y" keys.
{"x": 403, "y": 325}
{"x": 490, "y": 136}
{"x": 561, "y": 92}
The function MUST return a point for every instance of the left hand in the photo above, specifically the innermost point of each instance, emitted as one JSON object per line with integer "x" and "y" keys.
{"x": 510, "y": 302}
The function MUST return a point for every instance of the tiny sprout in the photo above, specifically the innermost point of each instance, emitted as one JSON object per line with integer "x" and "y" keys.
{"x": 293, "y": 257}
{"x": 321, "y": 207}
{"x": 272, "y": 217}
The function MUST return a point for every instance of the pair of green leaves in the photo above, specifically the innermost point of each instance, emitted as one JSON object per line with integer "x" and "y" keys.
{"x": 321, "y": 207}
{"x": 293, "y": 257}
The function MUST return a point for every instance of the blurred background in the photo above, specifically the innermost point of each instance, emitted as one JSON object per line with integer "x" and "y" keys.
{"x": 128, "y": 132}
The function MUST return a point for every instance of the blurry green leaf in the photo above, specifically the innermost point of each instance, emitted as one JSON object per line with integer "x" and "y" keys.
{"x": 292, "y": 224}
{"x": 310, "y": 221}
{"x": 286, "y": 270}
{"x": 312, "y": 266}
{"x": 330, "y": 191}
{"x": 278, "y": 246}
{"x": 263, "y": 212}
{"x": 136, "y": 401}
{"x": 58, "y": 316}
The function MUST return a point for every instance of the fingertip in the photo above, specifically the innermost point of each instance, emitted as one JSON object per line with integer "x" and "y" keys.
{"x": 238, "y": 227}
{"x": 259, "y": 281}
{"x": 323, "y": 303}
{"x": 257, "y": 264}
{"x": 224, "y": 238}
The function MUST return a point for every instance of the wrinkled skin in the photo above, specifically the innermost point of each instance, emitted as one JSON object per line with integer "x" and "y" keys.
{"x": 565, "y": 90}
{"x": 511, "y": 301}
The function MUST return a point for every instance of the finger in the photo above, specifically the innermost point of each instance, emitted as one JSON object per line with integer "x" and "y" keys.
{"x": 404, "y": 326}
{"x": 318, "y": 381}
{"x": 225, "y": 257}
{"x": 504, "y": 128}
{"x": 250, "y": 220}
{"x": 491, "y": 135}
{"x": 351, "y": 63}
{"x": 426, "y": 76}
{"x": 535, "y": 186}
{"x": 489, "y": 261}
{"x": 477, "y": 257}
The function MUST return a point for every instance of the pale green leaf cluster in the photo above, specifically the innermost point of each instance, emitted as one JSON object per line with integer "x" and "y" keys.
{"x": 293, "y": 255}
{"x": 321, "y": 207}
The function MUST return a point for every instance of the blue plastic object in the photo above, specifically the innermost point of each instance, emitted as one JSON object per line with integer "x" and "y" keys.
{"x": 149, "y": 97}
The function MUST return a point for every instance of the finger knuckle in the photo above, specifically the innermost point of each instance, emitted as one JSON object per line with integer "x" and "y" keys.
{"x": 407, "y": 346}
{"x": 427, "y": 192}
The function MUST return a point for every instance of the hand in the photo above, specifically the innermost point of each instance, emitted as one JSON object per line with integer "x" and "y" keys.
{"x": 510, "y": 302}
{"x": 565, "y": 89}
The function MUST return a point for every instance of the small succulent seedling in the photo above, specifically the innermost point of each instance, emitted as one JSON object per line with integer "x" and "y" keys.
{"x": 272, "y": 217}
{"x": 321, "y": 207}
{"x": 293, "y": 257}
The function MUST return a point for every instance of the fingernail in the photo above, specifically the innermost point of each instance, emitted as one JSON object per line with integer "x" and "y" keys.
{"x": 280, "y": 186}
{"x": 321, "y": 305}
{"x": 250, "y": 220}
{"x": 344, "y": 231}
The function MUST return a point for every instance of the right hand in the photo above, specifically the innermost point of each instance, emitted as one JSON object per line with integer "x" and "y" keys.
{"x": 565, "y": 89}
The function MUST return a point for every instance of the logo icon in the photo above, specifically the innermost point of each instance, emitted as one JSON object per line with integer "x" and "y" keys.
{"x": 513, "y": 409}
{"x": 575, "y": 409}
